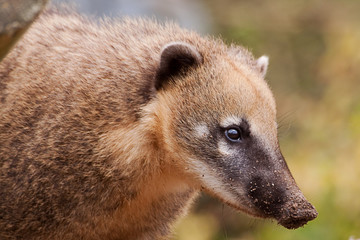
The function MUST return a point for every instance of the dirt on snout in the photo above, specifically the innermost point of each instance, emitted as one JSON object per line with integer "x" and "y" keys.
{"x": 297, "y": 213}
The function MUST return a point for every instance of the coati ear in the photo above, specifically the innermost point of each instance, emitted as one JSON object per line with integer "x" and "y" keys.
{"x": 176, "y": 57}
{"x": 262, "y": 64}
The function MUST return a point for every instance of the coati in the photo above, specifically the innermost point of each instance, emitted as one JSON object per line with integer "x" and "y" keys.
{"x": 110, "y": 130}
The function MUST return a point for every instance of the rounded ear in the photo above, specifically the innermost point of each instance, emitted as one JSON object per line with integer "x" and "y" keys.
{"x": 176, "y": 58}
{"x": 262, "y": 64}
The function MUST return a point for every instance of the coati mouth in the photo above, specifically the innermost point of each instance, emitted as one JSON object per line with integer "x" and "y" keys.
{"x": 290, "y": 218}
{"x": 291, "y": 215}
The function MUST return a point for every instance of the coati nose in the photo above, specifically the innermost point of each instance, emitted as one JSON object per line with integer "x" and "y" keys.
{"x": 295, "y": 214}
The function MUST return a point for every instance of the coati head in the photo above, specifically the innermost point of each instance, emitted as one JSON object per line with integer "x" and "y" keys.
{"x": 218, "y": 126}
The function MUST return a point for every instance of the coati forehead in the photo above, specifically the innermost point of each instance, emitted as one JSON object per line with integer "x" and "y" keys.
{"x": 224, "y": 88}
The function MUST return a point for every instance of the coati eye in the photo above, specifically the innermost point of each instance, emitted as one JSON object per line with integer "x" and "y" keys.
{"x": 233, "y": 134}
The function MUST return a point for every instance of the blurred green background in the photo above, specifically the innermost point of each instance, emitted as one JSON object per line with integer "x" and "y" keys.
{"x": 314, "y": 50}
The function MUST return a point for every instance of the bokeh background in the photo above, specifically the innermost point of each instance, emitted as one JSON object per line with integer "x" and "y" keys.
{"x": 314, "y": 49}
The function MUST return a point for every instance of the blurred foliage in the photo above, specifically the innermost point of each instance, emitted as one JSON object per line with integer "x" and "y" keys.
{"x": 15, "y": 18}
{"x": 314, "y": 49}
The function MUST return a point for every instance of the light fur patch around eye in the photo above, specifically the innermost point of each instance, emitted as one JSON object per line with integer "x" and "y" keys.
{"x": 231, "y": 120}
{"x": 201, "y": 130}
{"x": 224, "y": 148}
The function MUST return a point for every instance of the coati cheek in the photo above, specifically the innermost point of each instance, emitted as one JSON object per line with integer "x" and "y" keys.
{"x": 210, "y": 181}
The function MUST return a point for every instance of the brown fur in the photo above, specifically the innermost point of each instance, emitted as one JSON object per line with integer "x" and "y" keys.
{"x": 89, "y": 149}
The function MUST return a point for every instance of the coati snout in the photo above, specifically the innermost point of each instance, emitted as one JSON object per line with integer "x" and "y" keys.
{"x": 110, "y": 130}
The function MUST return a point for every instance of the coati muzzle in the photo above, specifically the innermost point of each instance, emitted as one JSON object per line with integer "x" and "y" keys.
{"x": 287, "y": 205}
{"x": 276, "y": 195}
{"x": 259, "y": 182}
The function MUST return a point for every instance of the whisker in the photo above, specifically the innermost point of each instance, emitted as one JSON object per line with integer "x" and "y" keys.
{"x": 285, "y": 122}
{"x": 223, "y": 222}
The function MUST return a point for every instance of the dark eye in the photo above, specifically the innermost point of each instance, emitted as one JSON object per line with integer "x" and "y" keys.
{"x": 233, "y": 134}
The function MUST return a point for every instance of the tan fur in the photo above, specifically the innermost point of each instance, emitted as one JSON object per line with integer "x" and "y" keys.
{"x": 90, "y": 150}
